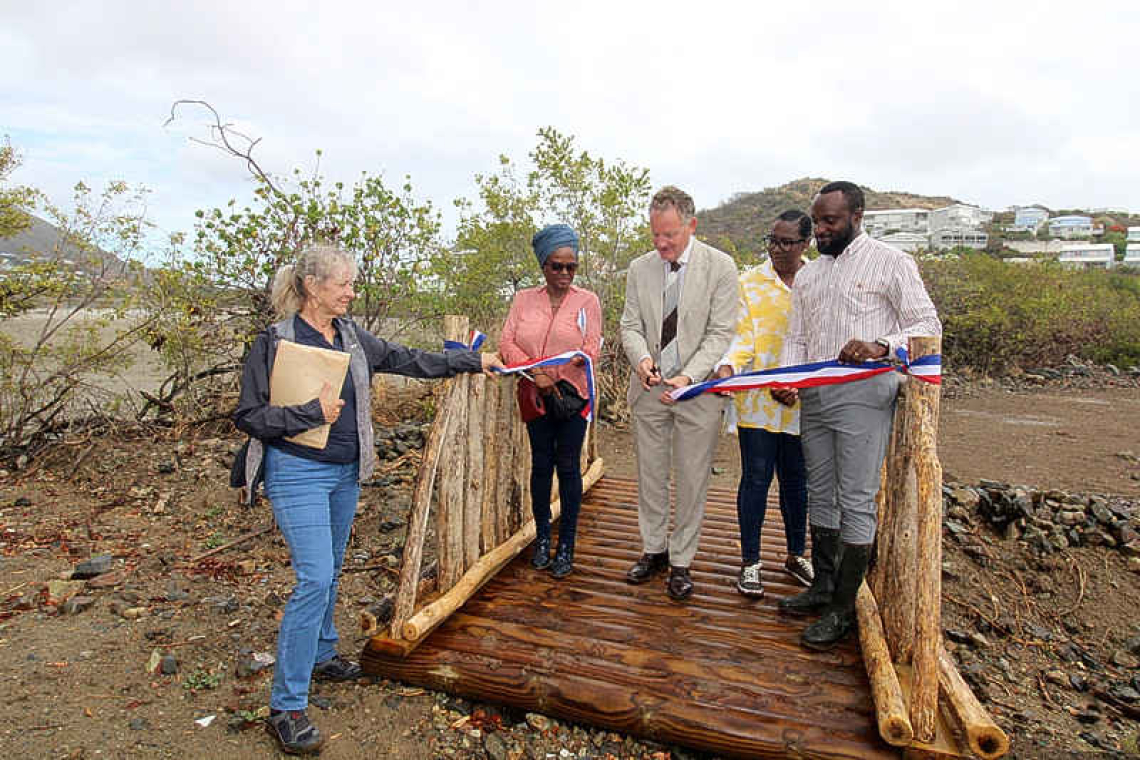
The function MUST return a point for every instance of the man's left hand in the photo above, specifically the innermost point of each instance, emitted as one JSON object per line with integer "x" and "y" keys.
{"x": 678, "y": 381}
{"x": 859, "y": 351}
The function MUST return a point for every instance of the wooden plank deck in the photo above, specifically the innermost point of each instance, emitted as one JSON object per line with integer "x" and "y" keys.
{"x": 719, "y": 672}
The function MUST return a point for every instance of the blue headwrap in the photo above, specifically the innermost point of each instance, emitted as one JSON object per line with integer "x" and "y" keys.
{"x": 552, "y": 237}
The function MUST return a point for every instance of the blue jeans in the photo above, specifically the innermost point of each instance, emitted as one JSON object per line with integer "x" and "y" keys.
{"x": 761, "y": 453}
{"x": 313, "y": 504}
{"x": 556, "y": 444}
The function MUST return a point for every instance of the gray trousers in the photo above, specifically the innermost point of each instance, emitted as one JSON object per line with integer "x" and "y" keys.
{"x": 681, "y": 438}
{"x": 845, "y": 430}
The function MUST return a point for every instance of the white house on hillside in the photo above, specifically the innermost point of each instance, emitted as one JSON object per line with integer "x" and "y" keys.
{"x": 950, "y": 237}
{"x": 1134, "y": 234}
{"x": 1070, "y": 226}
{"x": 1132, "y": 255}
{"x": 904, "y": 241}
{"x": 1101, "y": 255}
{"x": 881, "y": 222}
{"x": 959, "y": 215}
{"x": 1028, "y": 218}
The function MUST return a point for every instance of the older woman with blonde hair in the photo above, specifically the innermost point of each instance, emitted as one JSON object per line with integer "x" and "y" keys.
{"x": 314, "y": 491}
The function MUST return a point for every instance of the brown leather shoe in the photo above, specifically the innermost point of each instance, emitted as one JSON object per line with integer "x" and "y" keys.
{"x": 647, "y": 566}
{"x": 680, "y": 585}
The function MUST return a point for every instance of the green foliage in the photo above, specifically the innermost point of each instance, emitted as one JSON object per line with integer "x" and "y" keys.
{"x": 997, "y": 316}
{"x": 66, "y": 314}
{"x": 605, "y": 202}
{"x": 201, "y": 680}
{"x": 1119, "y": 241}
{"x": 14, "y": 201}
{"x": 205, "y": 305}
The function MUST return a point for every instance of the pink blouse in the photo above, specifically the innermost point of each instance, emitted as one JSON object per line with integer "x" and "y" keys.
{"x": 533, "y": 331}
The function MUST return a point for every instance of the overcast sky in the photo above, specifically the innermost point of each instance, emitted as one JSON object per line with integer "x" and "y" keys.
{"x": 993, "y": 103}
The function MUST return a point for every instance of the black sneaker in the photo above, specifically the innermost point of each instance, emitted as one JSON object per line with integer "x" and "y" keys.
{"x": 294, "y": 733}
{"x": 336, "y": 669}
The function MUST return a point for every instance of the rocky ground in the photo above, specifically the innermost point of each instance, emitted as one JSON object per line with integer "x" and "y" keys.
{"x": 130, "y": 627}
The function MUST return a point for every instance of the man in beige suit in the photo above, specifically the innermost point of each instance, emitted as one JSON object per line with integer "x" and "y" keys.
{"x": 679, "y": 317}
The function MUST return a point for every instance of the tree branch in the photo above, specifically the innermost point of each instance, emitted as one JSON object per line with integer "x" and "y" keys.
{"x": 221, "y": 133}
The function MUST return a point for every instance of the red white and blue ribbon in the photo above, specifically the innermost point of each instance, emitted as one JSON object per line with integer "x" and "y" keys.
{"x": 926, "y": 368}
{"x": 557, "y": 360}
{"x": 475, "y": 339}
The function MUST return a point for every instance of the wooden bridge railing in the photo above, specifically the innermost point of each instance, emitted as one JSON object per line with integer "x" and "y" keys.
{"x": 900, "y": 610}
{"x": 475, "y": 476}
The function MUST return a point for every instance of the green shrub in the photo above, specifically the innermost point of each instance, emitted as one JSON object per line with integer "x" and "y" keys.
{"x": 998, "y": 316}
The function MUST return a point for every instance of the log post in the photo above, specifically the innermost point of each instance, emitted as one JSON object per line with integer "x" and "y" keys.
{"x": 473, "y": 498}
{"x": 928, "y": 550}
{"x": 893, "y": 579}
{"x": 449, "y": 508}
{"x": 504, "y": 467}
{"x": 488, "y": 514}
{"x": 983, "y": 736}
{"x": 890, "y": 709}
{"x": 418, "y": 520}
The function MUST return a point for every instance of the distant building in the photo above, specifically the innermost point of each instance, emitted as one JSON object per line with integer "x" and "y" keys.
{"x": 886, "y": 221}
{"x": 1028, "y": 218}
{"x": 1132, "y": 255}
{"x": 1089, "y": 255}
{"x": 1035, "y": 246}
{"x": 1134, "y": 234}
{"x": 1069, "y": 227}
{"x": 951, "y": 237}
{"x": 1110, "y": 210}
{"x": 905, "y": 241}
{"x": 959, "y": 215}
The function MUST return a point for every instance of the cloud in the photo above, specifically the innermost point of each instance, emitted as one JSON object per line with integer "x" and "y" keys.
{"x": 982, "y": 101}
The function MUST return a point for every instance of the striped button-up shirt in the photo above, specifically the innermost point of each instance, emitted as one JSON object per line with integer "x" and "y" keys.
{"x": 869, "y": 292}
{"x": 764, "y": 305}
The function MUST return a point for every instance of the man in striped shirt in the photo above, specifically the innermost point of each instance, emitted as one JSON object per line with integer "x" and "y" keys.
{"x": 859, "y": 301}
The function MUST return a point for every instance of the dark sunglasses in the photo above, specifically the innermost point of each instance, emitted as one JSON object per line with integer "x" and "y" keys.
{"x": 784, "y": 242}
{"x": 557, "y": 266}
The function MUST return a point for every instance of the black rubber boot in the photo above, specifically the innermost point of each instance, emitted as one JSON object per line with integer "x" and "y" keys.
{"x": 838, "y": 618}
{"x": 824, "y": 561}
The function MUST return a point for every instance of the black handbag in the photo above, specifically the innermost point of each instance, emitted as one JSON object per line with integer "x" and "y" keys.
{"x": 563, "y": 403}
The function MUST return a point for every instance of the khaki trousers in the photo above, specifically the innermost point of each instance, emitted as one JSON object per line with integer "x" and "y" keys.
{"x": 680, "y": 438}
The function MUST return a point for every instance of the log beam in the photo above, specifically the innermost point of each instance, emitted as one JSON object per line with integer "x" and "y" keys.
{"x": 890, "y": 709}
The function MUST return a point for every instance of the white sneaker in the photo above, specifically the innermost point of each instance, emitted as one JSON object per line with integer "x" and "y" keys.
{"x": 748, "y": 582}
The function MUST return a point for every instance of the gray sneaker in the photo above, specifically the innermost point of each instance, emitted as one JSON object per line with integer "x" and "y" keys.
{"x": 294, "y": 733}
{"x": 748, "y": 582}
{"x": 799, "y": 568}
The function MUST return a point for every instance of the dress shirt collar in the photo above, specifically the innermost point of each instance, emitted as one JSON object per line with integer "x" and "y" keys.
{"x": 683, "y": 259}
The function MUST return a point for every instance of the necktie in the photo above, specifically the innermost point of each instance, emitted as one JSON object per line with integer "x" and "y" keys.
{"x": 670, "y": 354}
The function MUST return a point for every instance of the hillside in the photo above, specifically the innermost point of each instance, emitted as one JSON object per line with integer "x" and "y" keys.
{"x": 43, "y": 240}
{"x": 741, "y": 223}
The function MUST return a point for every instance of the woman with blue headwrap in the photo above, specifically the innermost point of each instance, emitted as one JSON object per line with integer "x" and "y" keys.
{"x": 545, "y": 321}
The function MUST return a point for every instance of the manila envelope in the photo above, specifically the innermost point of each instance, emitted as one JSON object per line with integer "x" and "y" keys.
{"x": 298, "y": 374}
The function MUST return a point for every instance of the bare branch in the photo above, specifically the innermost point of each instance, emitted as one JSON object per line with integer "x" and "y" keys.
{"x": 222, "y": 134}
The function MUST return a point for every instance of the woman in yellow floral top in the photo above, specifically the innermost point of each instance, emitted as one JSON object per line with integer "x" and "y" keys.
{"x": 768, "y": 430}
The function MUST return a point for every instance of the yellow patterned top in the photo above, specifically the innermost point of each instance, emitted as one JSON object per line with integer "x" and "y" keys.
{"x": 764, "y": 305}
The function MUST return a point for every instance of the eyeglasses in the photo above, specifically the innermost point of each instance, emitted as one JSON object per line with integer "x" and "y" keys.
{"x": 557, "y": 266}
{"x": 776, "y": 242}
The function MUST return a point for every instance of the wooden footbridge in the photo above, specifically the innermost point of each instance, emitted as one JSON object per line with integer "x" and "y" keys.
{"x": 718, "y": 672}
